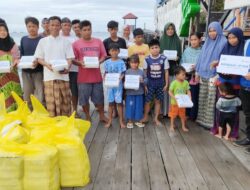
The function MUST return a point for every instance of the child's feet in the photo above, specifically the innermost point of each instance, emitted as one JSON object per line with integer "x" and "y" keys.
{"x": 104, "y": 119}
{"x": 218, "y": 136}
{"x": 130, "y": 125}
{"x": 139, "y": 124}
{"x": 122, "y": 125}
{"x": 144, "y": 120}
{"x": 185, "y": 129}
{"x": 157, "y": 123}
{"x": 226, "y": 138}
{"x": 108, "y": 124}
{"x": 172, "y": 128}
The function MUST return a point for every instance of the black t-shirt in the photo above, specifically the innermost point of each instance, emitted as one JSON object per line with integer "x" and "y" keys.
{"x": 121, "y": 42}
{"x": 28, "y": 48}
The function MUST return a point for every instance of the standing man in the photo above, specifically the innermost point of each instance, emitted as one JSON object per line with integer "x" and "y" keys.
{"x": 90, "y": 79}
{"x": 56, "y": 84}
{"x": 73, "y": 71}
{"x": 76, "y": 27}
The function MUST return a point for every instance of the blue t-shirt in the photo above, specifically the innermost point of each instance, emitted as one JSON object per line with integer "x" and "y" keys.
{"x": 156, "y": 69}
{"x": 243, "y": 81}
{"x": 28, "y": 48}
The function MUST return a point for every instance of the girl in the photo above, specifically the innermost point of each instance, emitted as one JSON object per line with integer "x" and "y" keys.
{"x": 170, "y": 41}
{"x": 9, "y": 81}
{"x": 210, "y": 52}
{"x": 234, "y": 46}
{"x": 134, "y": 98}
{"x": 190, "y": 56}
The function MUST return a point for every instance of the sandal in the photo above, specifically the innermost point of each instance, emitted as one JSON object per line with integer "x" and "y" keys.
{"x": 130, "y": 125}
{"x": 139, "y": 124}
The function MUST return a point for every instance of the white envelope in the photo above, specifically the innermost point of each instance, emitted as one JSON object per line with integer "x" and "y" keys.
{"x": 59, "y": 64}
{"x": 112, "y": 80}
{"x": 26, "y": 62}
{"x": 123, "y": 53}
{"x": 188, "y": 67}
{"x": 132, "y": 82}
{"x": 183, "y": 101}
{"x": 91, "y": 62}
{"x": 4, "y": 67}
{"x": 170, "y": 54}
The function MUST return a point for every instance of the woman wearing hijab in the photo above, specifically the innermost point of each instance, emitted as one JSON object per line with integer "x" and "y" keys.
{"x": 234, "y": 46}
{"x": 210, "y": 54}
{"x": 9, "y": 81}
{"x": 170, "y": 41}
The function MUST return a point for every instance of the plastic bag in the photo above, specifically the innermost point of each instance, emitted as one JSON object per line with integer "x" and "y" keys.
{"x": 11, "y": 167}
{"x": 41, "y": 170}
{"x": 16, "y": 134}
{"x": 73, "y": 161}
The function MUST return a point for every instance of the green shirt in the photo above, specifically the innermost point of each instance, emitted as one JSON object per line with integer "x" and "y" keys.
{"x": 177, "y": 87}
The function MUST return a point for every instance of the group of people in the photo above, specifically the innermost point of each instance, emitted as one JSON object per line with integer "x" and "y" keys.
{"x": 217, "y": 97}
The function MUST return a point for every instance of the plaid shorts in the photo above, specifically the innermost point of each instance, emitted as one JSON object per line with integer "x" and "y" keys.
{"x": 57, "y": 97}
{"x": 154, "y": 92}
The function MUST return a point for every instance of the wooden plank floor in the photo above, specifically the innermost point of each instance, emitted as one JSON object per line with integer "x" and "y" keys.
{"x": 153, "y": 158}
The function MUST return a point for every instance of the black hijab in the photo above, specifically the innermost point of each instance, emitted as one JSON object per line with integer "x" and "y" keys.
{"x": 7, "y": 43}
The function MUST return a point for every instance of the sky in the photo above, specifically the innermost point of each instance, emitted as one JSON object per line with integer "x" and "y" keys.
{"x": 99, "y": 12}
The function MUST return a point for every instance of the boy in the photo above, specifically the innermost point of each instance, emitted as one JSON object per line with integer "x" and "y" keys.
{"x": 156, "y": 69}
{"x": 178, "y": 86}
{"x": 89, "y": 79}
{"x": 56, "y": 84}
{"x": 45, "y": 26}
{"x": 115, "y": 65}
{"x": 76, "y": 27}
{"x": 73, "y": 71}
{"x": 139, "y": 47}
{"x": 113, "y": 29}
{"x": 32, "y": 78}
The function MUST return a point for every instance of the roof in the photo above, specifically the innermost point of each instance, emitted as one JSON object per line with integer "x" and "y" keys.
{"x": 130, "y": 16}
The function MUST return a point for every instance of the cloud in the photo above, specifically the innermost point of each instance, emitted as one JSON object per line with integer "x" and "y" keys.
{"x": 99, "y": 12}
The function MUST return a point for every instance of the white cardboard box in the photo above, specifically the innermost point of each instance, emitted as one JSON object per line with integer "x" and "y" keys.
{"x": 91, "y": 62}
{"x": 235, "y": 65}
{"x": 170, "y": 54}
{"x": 26, "y": 62}
{"x": 123, "y": 53}
{"x": 183, "y": 101}
{"x": 59, "y": 64}
{"x": 132, "y": 82}
{"x": 112, "y": 80}
{"x": 4, "y": 67}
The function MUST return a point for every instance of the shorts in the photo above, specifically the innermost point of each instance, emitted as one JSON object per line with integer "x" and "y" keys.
{"x": 115, "y": 95}
{"x": 176, "y": 111}
{"x": 226, "y": 118}
{"x": 154, "y": 92}
{"x": 73, "y": 83}
{"x": 93, "y": 90}
{"x": 134, "y": 107}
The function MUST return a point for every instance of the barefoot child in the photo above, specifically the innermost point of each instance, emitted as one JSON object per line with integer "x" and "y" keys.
{"x": 115, "y": 65}
{"x": 227, "y": 105}
{"x": 156, "y": 69}
{"x": 134, "y": 98}
{"x": 178, "y": 86}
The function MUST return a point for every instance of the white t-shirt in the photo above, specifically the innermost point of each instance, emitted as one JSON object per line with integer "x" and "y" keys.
{"x": 50, "y": 48}
{"x": 72, "y": 39}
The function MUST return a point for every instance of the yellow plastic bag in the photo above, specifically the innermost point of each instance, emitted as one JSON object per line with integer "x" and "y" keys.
{"x": 73, "y": 161}
{"x": 11, "y": 167}
{"x": 41, "y": 170}
{"x": 2, "y": 105}
{"x": 17, "y": 134}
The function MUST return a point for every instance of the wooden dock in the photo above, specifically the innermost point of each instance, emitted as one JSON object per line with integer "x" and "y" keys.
{"x": 153, "y": 158}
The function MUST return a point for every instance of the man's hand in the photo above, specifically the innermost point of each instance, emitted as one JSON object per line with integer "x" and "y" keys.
{"x": 49, "y": 66}
{"x": 65, "y": 71}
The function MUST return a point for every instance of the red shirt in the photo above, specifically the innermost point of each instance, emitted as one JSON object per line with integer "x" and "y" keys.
{"x": 92, "y": 48}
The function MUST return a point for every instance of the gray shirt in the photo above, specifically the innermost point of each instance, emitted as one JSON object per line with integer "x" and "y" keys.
{"x": 228, "y": 105}
{"x": 140, "y": 91}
